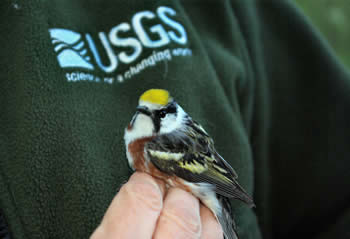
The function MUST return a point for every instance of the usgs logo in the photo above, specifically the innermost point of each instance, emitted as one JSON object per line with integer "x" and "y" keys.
{"x": 76, "y": 50}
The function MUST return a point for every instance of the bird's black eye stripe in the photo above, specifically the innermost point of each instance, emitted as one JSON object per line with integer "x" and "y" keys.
{"x": 170, "y": 109}
{"x": 162, "y": 113}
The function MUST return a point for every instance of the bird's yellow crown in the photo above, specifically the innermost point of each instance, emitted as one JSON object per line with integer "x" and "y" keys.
{"x": 156, "y": 96}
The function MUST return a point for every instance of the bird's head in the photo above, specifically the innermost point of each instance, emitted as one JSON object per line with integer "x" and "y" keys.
{"x": 157, "y": 113}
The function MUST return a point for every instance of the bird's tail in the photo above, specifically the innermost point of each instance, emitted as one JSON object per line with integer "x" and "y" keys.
{"x": 225, "y": 219}
{"x": 242, "y": 195}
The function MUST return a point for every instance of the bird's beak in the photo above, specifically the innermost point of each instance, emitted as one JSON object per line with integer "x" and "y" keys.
{"x": 143, "y": 110}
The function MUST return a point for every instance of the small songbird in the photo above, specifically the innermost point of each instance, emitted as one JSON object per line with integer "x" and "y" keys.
{"x": 163, "y": 141}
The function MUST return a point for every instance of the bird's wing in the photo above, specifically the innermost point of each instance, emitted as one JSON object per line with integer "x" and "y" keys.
{"x": 192, "y": 157}
{"x": 209, "y": 144}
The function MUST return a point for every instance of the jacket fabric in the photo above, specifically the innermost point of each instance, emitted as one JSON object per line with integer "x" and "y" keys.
{"x": 255, "y": 74}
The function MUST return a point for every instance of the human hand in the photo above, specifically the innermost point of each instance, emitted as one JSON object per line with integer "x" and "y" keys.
{"x": 142, "y": 209}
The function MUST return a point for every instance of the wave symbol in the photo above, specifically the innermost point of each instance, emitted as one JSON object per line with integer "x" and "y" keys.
{"x": 70, "y": 49}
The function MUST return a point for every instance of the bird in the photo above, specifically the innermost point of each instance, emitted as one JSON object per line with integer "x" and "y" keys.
{"x": 164, "y": 141}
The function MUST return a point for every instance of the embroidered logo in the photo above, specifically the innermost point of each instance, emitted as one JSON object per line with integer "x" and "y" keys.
{"x": 148, "y": 39}
{"x": 70, "y": 49}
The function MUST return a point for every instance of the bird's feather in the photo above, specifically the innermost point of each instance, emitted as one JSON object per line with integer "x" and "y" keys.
{"x": 226, "y": 220}
{"x": 190, "y": 155}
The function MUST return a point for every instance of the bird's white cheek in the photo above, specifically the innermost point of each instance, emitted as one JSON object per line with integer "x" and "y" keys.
{"x": 173, "y": 122}
{"x": 142, "y": 127}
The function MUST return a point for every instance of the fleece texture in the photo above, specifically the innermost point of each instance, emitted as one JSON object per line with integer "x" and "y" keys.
{"x": 255, "y": 74}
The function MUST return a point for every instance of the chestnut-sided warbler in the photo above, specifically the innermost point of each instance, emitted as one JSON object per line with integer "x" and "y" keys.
{"x": 163, "y": 141}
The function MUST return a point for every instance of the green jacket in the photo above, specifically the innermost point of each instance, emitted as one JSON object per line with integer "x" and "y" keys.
{"x": 255, "y": 74}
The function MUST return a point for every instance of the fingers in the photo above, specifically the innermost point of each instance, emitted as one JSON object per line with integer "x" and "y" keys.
{"x": 133, "y": 213}
{"x": 211, "y": 229}
{"x": 180, "y": 217}
{"x": 138, "y": 211}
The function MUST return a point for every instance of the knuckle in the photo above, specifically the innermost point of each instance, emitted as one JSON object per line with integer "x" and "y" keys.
{"x": 191, "y": 227}
{"x": 145, "y": 194}
{"x": 185, "y": 219}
